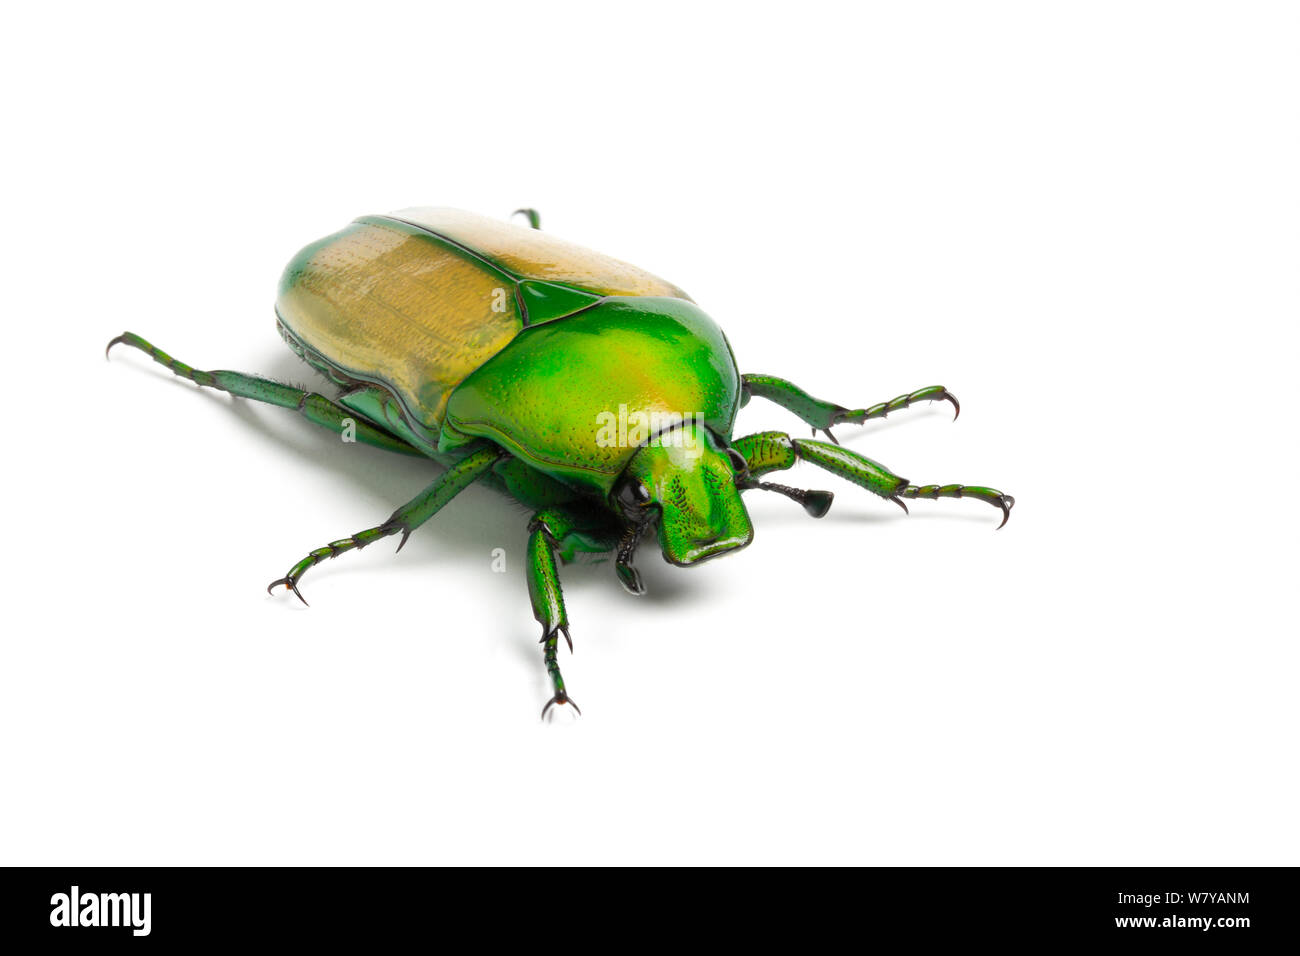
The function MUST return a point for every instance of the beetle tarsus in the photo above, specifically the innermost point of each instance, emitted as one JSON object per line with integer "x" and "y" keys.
{"x": 291, "y": 585}
{"x": 561, "y": 699}
{"x": 117, "y": 341}
{"x": 956, "y": 405}
{"x": 859, "y": 416}
{"x": 990, "y": 495}
{"x": 1006, "y": 503}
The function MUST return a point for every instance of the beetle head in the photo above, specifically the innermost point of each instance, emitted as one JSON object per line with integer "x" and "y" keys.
{"x": 686, "y": 479}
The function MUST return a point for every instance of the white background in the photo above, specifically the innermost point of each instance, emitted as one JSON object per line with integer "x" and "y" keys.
{"x": 1082, "y": 218}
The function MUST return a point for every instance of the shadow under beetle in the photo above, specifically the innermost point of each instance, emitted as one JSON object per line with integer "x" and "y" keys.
{"x": 590, "y": 390}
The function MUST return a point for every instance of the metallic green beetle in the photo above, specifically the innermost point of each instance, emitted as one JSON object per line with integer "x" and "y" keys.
{"x": 590, "y": 390}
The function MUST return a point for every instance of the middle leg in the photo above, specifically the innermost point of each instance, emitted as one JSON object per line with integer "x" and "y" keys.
{"x": 405, "y": 519}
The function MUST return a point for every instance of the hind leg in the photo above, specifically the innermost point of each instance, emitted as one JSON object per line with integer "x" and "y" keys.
{"x": 314, "y": 407}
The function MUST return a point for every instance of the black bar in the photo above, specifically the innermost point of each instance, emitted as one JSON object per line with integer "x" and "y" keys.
{"x": 1239, "y": 907}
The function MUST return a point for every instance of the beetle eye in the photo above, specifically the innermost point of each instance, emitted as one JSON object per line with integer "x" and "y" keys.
{"x": 633, "y": 493}
{"x": 738, "y": 462}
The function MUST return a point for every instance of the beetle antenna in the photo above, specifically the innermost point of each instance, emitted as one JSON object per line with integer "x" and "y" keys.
{"x": 816, "y": 503}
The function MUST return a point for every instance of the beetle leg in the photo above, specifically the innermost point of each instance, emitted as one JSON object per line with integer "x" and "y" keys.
{"x": 822, "y": 415}
{"x": 405, "y": 519}
{"x": 933, "y": 492}
{"x": 557, "y": 533}
{"x": 776, "y": 451}
{"x": 534, "y": 217}
{"x": 548, "y": 599}
{"x": 553, "y": 668}
{"x": 314, "y": 407}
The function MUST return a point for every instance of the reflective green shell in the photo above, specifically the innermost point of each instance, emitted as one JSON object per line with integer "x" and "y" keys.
{"x": 446, "y": 327}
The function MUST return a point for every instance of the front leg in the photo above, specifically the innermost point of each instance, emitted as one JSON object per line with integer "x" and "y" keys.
{"x": 776, "y": 451}
{"x": 557, "y": 533}
{"x": 822, "y": 415}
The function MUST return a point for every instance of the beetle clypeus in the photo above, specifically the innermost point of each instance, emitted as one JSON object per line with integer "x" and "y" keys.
{"x": 590, "y": 390}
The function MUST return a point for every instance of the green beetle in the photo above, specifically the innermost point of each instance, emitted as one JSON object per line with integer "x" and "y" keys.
{"x": 595, "y": 393}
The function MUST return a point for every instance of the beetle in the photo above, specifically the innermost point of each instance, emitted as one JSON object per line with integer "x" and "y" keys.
{"x": 595, "y": 393}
